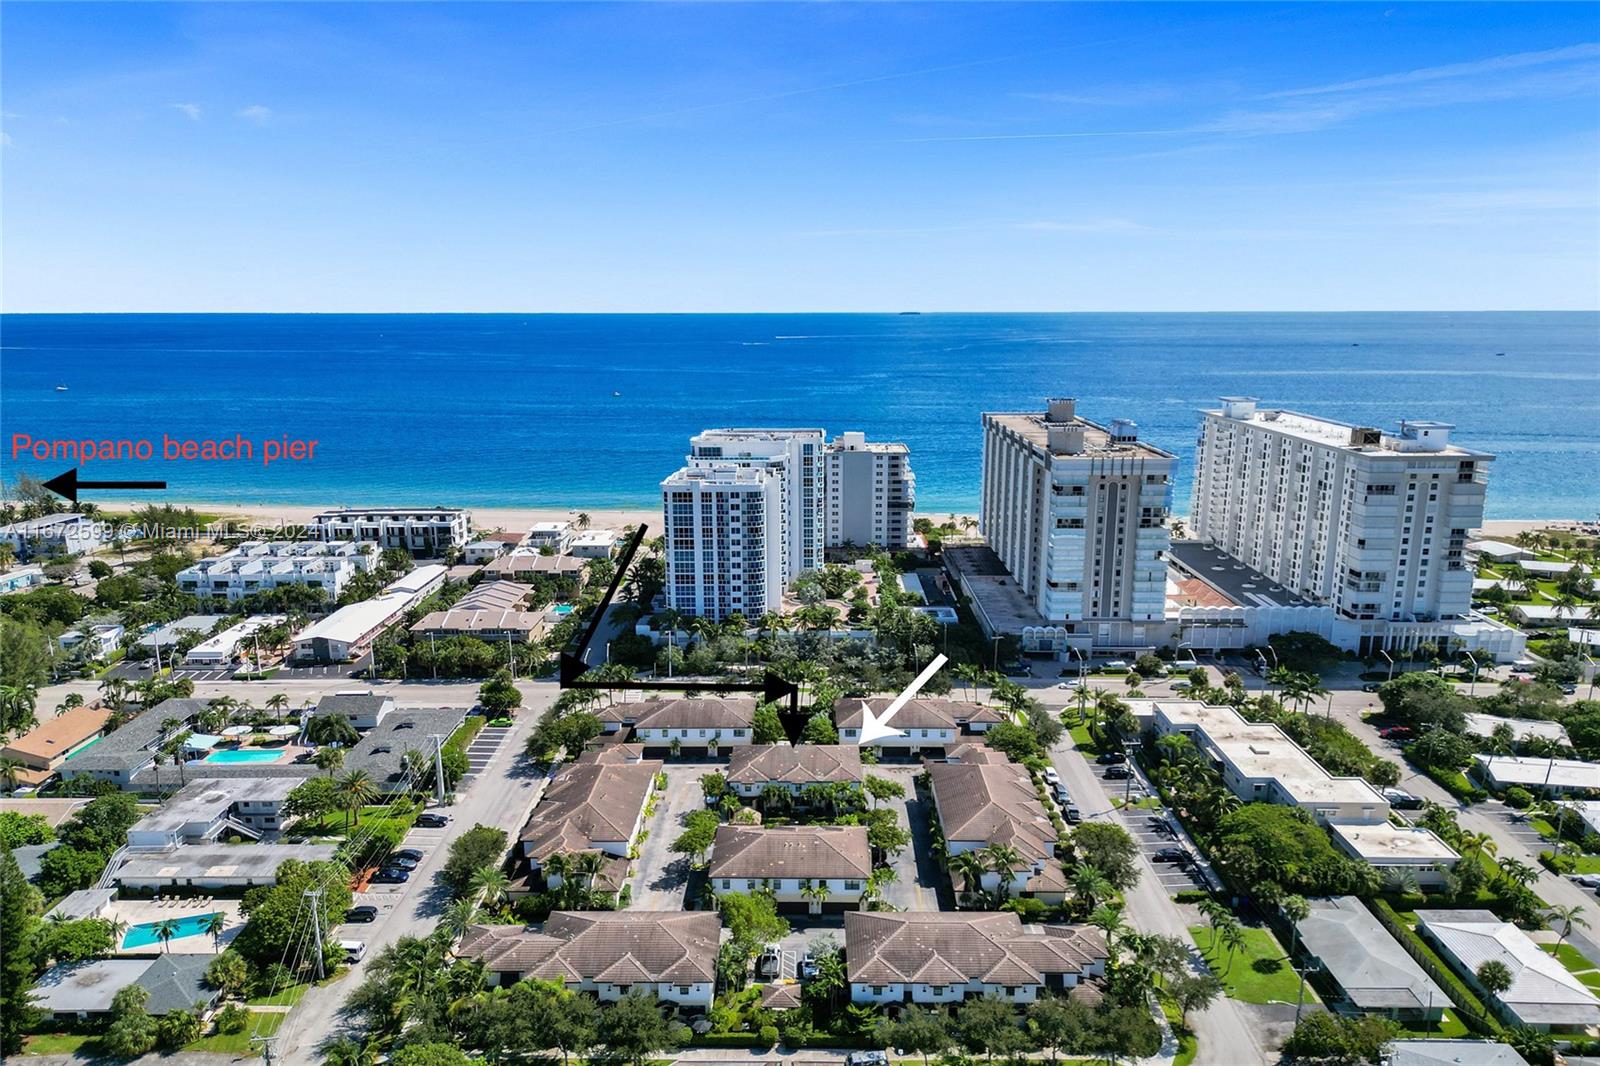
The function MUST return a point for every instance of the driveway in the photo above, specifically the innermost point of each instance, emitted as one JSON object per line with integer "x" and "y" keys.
{"x": 917, "y": 873}
{"x": 661, "y": 874}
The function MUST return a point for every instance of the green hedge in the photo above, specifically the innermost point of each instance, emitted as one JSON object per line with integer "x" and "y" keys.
{"x": 1469, "y": 1007}
{"x": 740, "y": 1040}
{"x": 1455, "y": 783}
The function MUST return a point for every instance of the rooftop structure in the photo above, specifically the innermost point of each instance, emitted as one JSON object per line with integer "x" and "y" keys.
{"x": 789, "y": 854}
{"x": 381, "y": 751}
{"x": 1484, "y": 725}
{"x": 1260, "y": 762}
{"x": 979, "y": 804}
{"x": 257, "y": 566}
{"x": 1372, "y": 971}
{"x": 939, "y": 957}
{"x": 167, "y": 636}
{"x": 1078, "y": 514}
{"x": 594, "y": 804}
{"x": 84, "y": 903}
{"x": 52, "y": 742}
{"x": 1451, "y": 1053}
{"x": 204, "y": 810}
{"x": 222, "y": 648}
{"x": 485, "y": 623}
{"x": 530, "y": 566}
{"x": 1539, "y": 775}
{"x": 871, "y": 493}
{"x": 594, "y": 544}
{"x": 217, "y": 865}
{"x": 1387, "y": 846}
{"x": 364, "y": 710}
{"x": 753, "y": 768}
{"x": 86, "y": 989}
{"x": 348, "y": 632}
{"x": 123, "y": 753}
{"x": 1497, "y": 551}
{"x": 72, "y": 534}
{"x": 609, "y": 953}
{"x": 793, "y": 460}
{"x": 1543, "y": 995}
{"x": 724, "y": 528}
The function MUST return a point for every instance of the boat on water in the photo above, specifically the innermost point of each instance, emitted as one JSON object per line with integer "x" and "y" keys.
{"x": 615, "y": 393}
{"x": 61, "y": 388}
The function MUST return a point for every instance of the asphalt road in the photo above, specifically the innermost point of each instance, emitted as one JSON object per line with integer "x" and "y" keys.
{"x": 662, "y": 873}
{"x": 501, "y": 797}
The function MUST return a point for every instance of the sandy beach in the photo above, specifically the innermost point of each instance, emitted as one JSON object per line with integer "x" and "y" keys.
{"x": 506, "y": 519}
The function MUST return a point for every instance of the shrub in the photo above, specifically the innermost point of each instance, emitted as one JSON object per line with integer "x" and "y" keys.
{"x": 1518, "y": 797}
{"x": 769, "y": 1035}
{"x": 232, "y": 1019}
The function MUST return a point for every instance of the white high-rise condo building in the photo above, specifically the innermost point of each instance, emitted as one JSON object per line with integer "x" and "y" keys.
{"x": 1369, "y": 522}
{"x": 871, "y": 493}
{"x": 723, "y": 529}
{"x": 1077, "y": 512}
{"x": 794, "y": 458}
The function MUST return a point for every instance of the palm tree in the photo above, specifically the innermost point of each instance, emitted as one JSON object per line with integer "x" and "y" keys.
{"x": 557, "y": 867}
{"x": 215, "y": 924}
{"x": 1518, "y": 872}
{"x": 355, "y": 790}
{"x": 11, "y": 773}
{"x": 1474, "y": 845}
{"x": 1108, "y": 919}
{"x": 817, "y": 892}
{"x": 165, "y": 930}
{"x": 1296, "y": 910}
{"x": 278, "y": 704}
{"x": 1232, "y": 936}
{"x": 971, "y": 868}
{"x": 459, "y": 916}
{"x": 589, "y": 866}
{"x": 490, "y": 884}
{"x": 583, "y": 520}
{"x": 1004, "y": 860}
{"x": 329, "y": 759}
{"x": 1567, "y": 916}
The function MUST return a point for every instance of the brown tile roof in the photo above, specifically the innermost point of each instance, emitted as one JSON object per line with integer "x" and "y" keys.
{"x": 784, "y": 996}
{"x": 992, "y": 802}
{"x": 508, "y": 566}
{"x": 616, "y": 947}
{"x": 692, "y": 714}
{"x": 588, "y": 802}
{"x": 805, "y": 764}
{"x": 49, "y": 741}
{"x": 971, "y": 752}
{"x": 483, "y": 620}
{"x": 940, "y": 948}
{"x": 918, "y": 713}
{"x": 791, "y": 851}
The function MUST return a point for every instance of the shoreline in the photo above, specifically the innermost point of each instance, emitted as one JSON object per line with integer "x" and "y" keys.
{"x": 493, "y": 519}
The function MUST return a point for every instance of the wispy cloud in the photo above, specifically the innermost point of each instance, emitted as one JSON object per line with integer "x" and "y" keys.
{"x": 1093, "y": 225}
{"x": 256, "y": 113}
{"x": 1475, "y": 68}
{"x": 1551, "y": 74}
{"x": 1108, "y": 96}
{"x": 189, "y": 111}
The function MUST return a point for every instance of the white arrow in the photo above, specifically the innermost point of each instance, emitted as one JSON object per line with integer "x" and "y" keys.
{"x": 875, "y": 728}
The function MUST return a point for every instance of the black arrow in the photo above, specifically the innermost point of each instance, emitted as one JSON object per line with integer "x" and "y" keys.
{"x": 572, "y": 664}
{"x": 68, "y": 484}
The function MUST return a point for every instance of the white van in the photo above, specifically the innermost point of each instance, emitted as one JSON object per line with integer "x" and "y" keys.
{"x": 354, "y": 950}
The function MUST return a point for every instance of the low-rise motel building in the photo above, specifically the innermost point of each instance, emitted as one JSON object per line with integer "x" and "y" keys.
{"x": 426, "y": 532}
{"x": 46, "y": 747}
{"x": 818, "y": 868}
{"x": 1259, "y": 762}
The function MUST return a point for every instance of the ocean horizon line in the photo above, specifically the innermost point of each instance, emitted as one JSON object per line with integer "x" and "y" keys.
{"x": 910, "y": 312}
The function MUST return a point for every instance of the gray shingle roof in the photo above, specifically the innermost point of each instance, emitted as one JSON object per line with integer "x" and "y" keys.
{"x": 177, "y": 982}
{"x": 1452, "y": 1053}
{"x": 1369, "y": 965}
{"x": 128, "y": 747}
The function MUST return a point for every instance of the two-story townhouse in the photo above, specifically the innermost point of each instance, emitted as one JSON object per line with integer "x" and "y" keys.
{"x": 983, "y": 804}
{"x": 204, "y": 811}
{"x": 594, "y": 805}
{"x": 940, "y": 958}
{"x": 708, "y": 725}
{"x": 929, "y": 725}
{"x": 606, "y": 953}
{"x": 753, "y": 769}
{"x": 822, "y": 868}
{"x": 124, "y": 753}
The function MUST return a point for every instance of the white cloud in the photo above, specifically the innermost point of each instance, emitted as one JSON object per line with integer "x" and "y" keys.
{"x": 189, "y": 111}
{"x": 256, "y": 113}
{"x": 1475, "y": 68}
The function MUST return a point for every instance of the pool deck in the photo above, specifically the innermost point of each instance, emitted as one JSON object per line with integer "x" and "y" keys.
{"x": 146, "y": 911}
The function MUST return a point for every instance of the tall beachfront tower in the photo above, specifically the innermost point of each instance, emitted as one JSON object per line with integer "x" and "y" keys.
{"x": 794, "y": 458}
{"x": 1373, "y": 523}
{"x": 871, "y": 493}
{"x": 723, "y": 529}
{"x": 1077, "y": 512}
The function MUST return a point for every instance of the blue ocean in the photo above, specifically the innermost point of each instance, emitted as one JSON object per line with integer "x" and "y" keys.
{"x": 593, "y": 410}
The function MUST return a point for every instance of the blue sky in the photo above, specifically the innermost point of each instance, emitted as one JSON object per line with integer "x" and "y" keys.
{"x": 413, "y": 157}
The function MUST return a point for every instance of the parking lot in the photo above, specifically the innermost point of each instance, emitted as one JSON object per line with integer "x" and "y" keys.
{"x": 1516, "y": 826}
{"x": 482, "y": 749}
{"x": 662, "y": 875}
{"x": 1154, "y": 829}
{"x": 917, "y": 873}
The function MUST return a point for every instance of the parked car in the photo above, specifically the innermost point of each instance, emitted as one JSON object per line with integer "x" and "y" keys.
{"x": 432, "y": 821}
{"x": 364, "y": 913}
{"x": 1372, "y": 686}
{"x": 409, "y": 853}
{"x": 1118, "y": 773}
{"x": 1177, "y": 855}
{"x": 768, "y": 964}
{"x": 391, "y": 876}
{"x": 354, "y": 950}
{"x": 1052, "y": 775}
{"x": 1402, "y": 800}
{"x": 1568, "y": 688}
{"x": 807, "y": 969}
{"x": 1061, "y": 794}
{"x": 1115, "y": 664}
{"x": 1108, "y": 758}
{"x": 1160, "y": 825}
{"x": 1071, "y": 683}
{"x": 1395, "y": 732}
{"x": 400, "y": 862}
{"x": 1072, "y": 814}
{"x": 866, "y": 1058}
{"x": 1586, "y": 880}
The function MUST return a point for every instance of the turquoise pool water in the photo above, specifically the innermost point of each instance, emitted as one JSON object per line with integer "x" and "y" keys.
{"x": 243, "y": 755}
{"x": 562, "y": 608}
{"x": 142, "y": 936}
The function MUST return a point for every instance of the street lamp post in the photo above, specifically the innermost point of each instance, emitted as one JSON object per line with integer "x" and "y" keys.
{"x": 1389, "y": 657}
{"x": 1473, "y": 684}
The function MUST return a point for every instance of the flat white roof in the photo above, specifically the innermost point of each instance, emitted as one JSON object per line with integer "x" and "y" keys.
{"x": 225, "y": 642}
{"x": 1386, "y": 844}
{"x": 349, "y": 624}
{"x": 1483, "y": 725}
{"x": 1264, "y": 752}
{"x": 1526, "y": 770}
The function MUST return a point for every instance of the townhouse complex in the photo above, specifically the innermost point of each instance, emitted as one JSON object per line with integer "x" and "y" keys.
{"x": 753, "y": 509}
{"x": 261, "y": 565}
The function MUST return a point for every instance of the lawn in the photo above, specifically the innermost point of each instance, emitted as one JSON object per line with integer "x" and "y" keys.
{"x": 86, "y": 1045}
{"x": 1258, "y": 973}
{"x": 262, "y": 1023}
{"x": 1082, "y": 740}
{"x": 1188, "y": 1046}
{"x": 1570, "y": 957}
{"x": 333, "y": 823}
{"x": 284, "y": 997}
{"x": 1450, "y": 1027}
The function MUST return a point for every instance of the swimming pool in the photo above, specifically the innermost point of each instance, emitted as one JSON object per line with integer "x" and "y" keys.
{"x": 561, "y": 609}
{"x": 243, "y": 755}
{"x": 143, "y": 935}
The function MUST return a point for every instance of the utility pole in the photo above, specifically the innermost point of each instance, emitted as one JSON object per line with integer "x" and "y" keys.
{"x": 315, "y": 896}
{"x": 269, "y": 1048}
{"x": 438, "y": 767}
